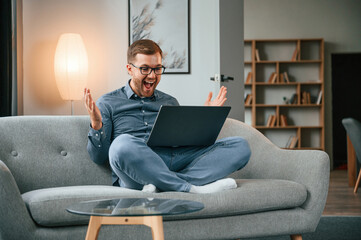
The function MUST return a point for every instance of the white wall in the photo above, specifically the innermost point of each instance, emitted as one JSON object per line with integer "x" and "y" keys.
{"x": 104, "y": 28}
{"x": 193, "y": 89}
{"x": 338, "y": 22}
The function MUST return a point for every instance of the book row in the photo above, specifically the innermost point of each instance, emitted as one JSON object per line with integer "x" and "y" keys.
{"x": 306, "y": 98}
{"x": 294, "y": 55}
{"x": 272, "y": 119}
{"x": 292, "y": 142}
{"x": 283, "y": 78}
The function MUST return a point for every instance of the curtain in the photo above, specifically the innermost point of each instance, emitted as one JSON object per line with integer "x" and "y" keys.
{"x": 5, "y": 59}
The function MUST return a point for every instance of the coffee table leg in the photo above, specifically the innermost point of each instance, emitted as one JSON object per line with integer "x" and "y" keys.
{"x": 154, "y": 222}
{"x": 93, "y": 228}
{"x": 156, "y": 225}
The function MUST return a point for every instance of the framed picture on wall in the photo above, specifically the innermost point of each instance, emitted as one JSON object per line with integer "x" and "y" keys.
{"x": 167, "y": 23}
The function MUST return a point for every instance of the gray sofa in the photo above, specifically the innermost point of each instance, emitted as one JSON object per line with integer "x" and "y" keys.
{"x": 44, "y": 168}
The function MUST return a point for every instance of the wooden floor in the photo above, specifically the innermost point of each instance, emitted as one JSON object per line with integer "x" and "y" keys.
{"x": 341, "y": 200}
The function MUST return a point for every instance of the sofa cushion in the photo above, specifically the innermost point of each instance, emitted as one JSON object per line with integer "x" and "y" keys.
{"x": 48, "y": 206}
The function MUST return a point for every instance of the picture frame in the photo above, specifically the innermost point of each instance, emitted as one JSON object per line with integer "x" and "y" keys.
{"x": 166, "y": 22}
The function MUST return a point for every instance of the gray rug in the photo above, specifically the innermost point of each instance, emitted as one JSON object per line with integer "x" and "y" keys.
{"x": 331, "y": 228}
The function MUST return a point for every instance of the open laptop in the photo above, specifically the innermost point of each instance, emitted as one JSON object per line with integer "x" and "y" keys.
{"x": 187, "y": 126}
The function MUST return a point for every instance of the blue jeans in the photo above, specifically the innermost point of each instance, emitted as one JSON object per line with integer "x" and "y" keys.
{"x": 175, "y": 169}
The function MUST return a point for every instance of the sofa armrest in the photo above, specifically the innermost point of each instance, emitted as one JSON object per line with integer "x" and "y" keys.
{"x": 310, "y": 168}
{"x": 18, "y": 222}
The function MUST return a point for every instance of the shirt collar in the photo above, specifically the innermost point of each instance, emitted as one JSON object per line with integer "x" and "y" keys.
{"x": 130, "y": 93}
{"x": 128, "y": 90}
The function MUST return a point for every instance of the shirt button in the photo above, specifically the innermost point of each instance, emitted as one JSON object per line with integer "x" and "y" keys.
{"x": 99, "y": 145}
{"x": 146, "y": 124}
{"x": 97, "y": 134}
{"x": 142, "y": 101}
{"x": 101, "y": 132}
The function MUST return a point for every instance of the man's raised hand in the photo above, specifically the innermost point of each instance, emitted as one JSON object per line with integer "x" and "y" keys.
{"x": 93, "y": 110}
{"x": 219, "y": 100}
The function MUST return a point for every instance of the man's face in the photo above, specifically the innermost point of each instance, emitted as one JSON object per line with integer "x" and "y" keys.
{"x": 144, "y": 85}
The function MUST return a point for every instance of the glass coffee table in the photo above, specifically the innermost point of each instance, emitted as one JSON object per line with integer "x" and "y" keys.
{"x": 132, "y": 211}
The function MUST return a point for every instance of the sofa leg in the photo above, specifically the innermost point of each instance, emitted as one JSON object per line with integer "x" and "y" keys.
{"x": 296, "y": 237}
{"x": 293, "y": 237}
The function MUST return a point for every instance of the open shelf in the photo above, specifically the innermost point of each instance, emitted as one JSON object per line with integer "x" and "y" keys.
{"x": 285, "y": 79}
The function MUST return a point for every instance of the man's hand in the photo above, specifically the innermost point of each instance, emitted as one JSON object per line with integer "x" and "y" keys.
{"x": 93, "y": 110}
{"x": 219, "y": 100}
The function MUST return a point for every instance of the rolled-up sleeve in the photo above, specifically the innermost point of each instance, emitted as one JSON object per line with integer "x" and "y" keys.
{"x": 99, "y": 140}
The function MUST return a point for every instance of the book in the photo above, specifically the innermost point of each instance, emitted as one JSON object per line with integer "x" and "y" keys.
{"x": 248, "y": 99}
{"x": 283, "y": 120}
{"x": 289, "y": 142}
{"x": 271, "y": 121}
{"x": 294, "y": 142}
{"x": 257, "y": 56}
{"x": 249, "y": 78}
{"x": 319, "y": 98}
{"x": 268, "y": 124}
{"x": 293, "y": 99}
{"x": 306, "y": 98}
{"x": 309, "y": 98}
{"x": 295, "y": 54}
{"x": 285, "y": 74}
{"x": 272, "y": 78}
{"x": 282, "y": 78}
{"x": 245, "y": 96}
{"x": 303, "y": 99}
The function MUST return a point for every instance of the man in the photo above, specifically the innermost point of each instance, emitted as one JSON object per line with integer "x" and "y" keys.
{"x": 121, "y": 122}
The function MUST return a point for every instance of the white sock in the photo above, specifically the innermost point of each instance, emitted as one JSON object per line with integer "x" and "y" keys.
{"x": 149, "y": 188}
{"x": 217, "y": 186}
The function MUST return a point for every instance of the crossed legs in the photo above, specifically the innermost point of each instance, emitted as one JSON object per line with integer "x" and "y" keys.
{"x": 177, "y": 169}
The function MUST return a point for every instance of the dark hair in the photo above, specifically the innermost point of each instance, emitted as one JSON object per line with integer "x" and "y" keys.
{"x": 143, "y": 46}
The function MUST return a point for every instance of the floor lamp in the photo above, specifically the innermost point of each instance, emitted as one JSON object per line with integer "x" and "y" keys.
{"x": 71, "y": 67}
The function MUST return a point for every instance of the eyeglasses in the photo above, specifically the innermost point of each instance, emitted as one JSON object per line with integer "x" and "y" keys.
{"x": 148, "y": 70}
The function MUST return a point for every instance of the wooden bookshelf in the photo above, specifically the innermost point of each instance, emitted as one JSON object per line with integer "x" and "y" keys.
{"x": 294, "y": 96}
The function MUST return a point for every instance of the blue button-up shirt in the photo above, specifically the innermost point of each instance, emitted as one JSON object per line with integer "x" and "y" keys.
{"x": 123, "y": 112}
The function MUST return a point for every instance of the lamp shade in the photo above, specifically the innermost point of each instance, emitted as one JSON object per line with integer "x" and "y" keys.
{"x": 71, "y": 66}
